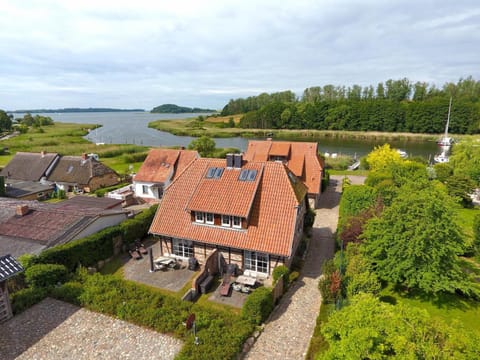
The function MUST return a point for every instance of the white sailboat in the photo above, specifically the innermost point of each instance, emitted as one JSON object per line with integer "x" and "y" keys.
{"x": 446, "y": 141}
{"x": 441, "y": 158}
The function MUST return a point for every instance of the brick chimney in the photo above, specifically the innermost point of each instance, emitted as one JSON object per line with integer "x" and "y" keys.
{"x": 22, "y": 210}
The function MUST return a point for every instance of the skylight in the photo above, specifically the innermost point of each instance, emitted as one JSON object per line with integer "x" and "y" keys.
{"x": 214, "y": 173}
{"x": 247, "y": 175}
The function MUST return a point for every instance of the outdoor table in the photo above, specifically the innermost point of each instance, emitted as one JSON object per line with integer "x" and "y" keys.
{"x": 163, "y": 262}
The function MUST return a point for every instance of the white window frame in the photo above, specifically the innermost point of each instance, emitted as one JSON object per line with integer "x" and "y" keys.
{"x": 199, "y": 217}
{"x": 183, "y": 248}
{"x": 226, "y": 223}
{"x": 239, "y": 219}
{"x": 256, "y": 262}
{"x": 211, "y": 222}
{"x": 144, "y": 189}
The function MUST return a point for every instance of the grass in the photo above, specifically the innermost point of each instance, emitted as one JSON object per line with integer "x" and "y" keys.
{"x": 465, "y": 221}
{"x": 446, "y": 307}
{"x": 317, "y": 342}
{"x": 67, "y": 139}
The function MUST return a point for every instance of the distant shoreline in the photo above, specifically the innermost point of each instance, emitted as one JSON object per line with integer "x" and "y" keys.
{"x": 73, "y": 110}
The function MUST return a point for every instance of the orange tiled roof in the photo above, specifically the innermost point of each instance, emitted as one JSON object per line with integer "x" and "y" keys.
{"x": 280, "y": 149}
{"x": 303, "y": 161}
{"x": 272, "y": 217}
{"x": 236, "y": 196}
{"x": 160, "y": 164}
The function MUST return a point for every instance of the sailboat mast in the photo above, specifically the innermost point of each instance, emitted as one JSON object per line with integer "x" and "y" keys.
{"x": 448, "y": 117}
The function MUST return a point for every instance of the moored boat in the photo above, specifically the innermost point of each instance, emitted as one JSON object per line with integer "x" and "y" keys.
{"x": 446, "y": 141}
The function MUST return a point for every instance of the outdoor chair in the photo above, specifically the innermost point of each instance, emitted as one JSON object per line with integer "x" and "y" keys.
{"x": 135, "y": 254}
{"x": 141, "y": 248}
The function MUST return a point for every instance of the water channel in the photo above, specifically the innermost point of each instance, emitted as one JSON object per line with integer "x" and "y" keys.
{"x": 132, "y": 128}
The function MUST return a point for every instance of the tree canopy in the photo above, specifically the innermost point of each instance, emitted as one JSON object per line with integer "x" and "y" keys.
{"x": 371, "y": 329}
{"x": 416, "y": 242}
{"x": 5, "y": 121}
{"x": 204, "y": 145}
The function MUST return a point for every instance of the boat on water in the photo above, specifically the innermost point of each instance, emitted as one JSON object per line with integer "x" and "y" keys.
{"x": 446, "y": 141}
{"x": 403, "y": 154}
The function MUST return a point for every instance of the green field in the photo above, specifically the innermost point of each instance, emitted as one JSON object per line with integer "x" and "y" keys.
{"x": 67, "y": 139}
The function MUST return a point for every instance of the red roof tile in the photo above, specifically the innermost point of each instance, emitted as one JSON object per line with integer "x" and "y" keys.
{"x": 163, "y": 164}
{"x": 279, "y": 149}
{"x": 272, "y": 217}
{"x": 303, "y": 160}
{"x": 226, "y": 195}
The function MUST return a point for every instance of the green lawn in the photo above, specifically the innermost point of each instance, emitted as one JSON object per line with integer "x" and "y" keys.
{"x": 465, "y": 220}
{"x": 446, "y": 307}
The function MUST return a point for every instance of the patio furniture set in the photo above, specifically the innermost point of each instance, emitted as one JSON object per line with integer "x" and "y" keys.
{"x": 165, "y": 263}
{"x": 137, "y": 249}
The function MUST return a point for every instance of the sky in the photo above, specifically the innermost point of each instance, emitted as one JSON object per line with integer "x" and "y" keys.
{"x": 141, "y": 54}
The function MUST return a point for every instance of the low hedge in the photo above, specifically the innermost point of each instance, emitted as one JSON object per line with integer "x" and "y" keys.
{"x": 45, "y": 275}
{"x": 26, "y": 298}
{"x": 86, "y": 251}
{"x": 137, "y": 228}
{"x": 279, "y": 272}
{"x": 102, "y": 191}
{"x": 258, "y": 305}
{"x": 221, "y": 333}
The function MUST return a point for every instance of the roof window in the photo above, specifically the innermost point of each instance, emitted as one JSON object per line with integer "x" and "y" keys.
{"x": 214, "y": 173}
{"x": 247, "y": 175}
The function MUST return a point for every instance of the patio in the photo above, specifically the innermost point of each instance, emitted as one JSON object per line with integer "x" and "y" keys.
{"x": 173, "y": 280}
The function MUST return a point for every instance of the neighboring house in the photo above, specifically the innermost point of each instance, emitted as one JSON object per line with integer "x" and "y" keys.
{"x": 159, "y": 168}
{"x": 9, "y": 267}
{"x": 30, "y": 166}
{"x": 28, "y": 227}
{"x": 300, "y": 157}
{"x": 251, "y": 212}
{"x": 28, "y": 190}
{"x": 72, "y": 173}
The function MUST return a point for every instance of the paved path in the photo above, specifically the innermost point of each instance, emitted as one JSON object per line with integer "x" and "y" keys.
{"x": 288, "y": 331}
{"x": 53, "y": 329}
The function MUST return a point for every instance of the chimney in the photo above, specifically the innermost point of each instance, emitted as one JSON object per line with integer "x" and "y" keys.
{"x": 229, "y": 160}
{"x": 237, "y": 161}
{"x": 182, "y": 147}
{"x": 42, "y": 153}
{"x": 22, "y": 210}
{"x": 84, "y": 156}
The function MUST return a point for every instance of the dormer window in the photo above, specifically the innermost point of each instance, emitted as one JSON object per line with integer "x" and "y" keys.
{"x": 237, "y": 222}
{"x": 199, "y": 217}
{"x": 225, "y": 220}
{"x": 209, "y": 218}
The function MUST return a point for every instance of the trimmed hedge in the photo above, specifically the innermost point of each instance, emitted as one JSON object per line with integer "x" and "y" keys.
{"x": 26, "y": 298}
{"x": 137, "y": 228}
{"x": 280, "y": 271}
{"x": 102, "y": 191}
{"x": 221, "y": 333}
{"x": 45, "y": 275}
{"x": 258, "y": 305}
{"x": 99, "y": 246}
{"x": 86, "y": 251}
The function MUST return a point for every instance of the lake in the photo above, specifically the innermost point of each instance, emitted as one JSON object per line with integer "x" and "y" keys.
{"x": 132, "y": 128}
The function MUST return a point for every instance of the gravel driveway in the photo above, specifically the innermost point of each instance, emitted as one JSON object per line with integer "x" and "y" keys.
{"x": 53, "y": 329}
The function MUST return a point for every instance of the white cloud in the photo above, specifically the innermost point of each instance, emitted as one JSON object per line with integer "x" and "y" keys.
{"x": 202, "y": 53}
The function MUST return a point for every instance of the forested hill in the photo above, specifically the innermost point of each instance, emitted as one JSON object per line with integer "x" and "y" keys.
{"x": 175, "y": 109}
{"x": 394, "y": 106}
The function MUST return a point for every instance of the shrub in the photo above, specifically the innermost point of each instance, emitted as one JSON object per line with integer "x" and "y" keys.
{"x": 309, "y": 219}
{"x": 476, "y": 232}
{"x": 45, "y": 275}
{"x": 102, "y": 191}
{"x": 258, "y": 305}
{"x": 25, "y": 298}
{"x": 137, "y": 228}
{"x": 293, "y": 276}
{"x": 69, "y": 292}
{"x": 86, "y": 251}
{"x": 281, "y": 271}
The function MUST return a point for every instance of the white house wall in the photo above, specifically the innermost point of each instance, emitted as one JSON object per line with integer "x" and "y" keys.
{"x": 152, "y": 192}
{"x": 100, "y": 224}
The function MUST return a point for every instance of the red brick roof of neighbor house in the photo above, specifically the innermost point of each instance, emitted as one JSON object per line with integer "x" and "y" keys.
{"x": 29, "y": 166}
{"x": 303, "y": 159}
{"x": 160, "y": 163}
{"x": 273, "y": 198}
